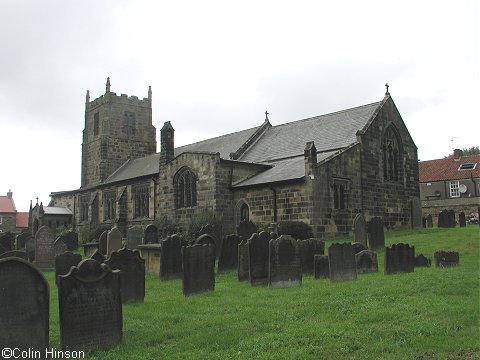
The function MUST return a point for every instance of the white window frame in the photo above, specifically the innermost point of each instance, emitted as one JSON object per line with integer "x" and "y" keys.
{"x": 454, "y": 189}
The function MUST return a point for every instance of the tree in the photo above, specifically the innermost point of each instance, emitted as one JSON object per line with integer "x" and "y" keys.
{"x": 474, "y": 150}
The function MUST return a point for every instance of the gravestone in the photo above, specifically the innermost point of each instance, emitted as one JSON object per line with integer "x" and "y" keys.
{"x": 171, "y": 258}
{"x": 429, "y": 221}
{"x": 102, "y": 243}
{"x": 215, "y": 232}
{"x": 258, "y": 258}
{"x": 59, "y": 246}
{"x": 415, "y": 212}
{"x": 285, "y": 264}
{"x": 114, "y": 240}
{"x": 421, "y": 261}
{"x": 461, "y": 219}
{"x": 357, "y": 247}
{"x": 446, "y": 258}
{"x": 150, "y": 235}
{"x": 21, "y": 254}
{"x": 321, "y": 267}
{"x": 134, "y": 237}
{"x": 229, "y": 253}
{"x": 6, "y": 242}
{"x": 342, "y": 264}
{"x": 63, "y": 263}
{"x": 245, "y": 229}
{"x": 44, "y": 250}
{"x": 366, "y": 261}
{"x": 399, "y": 258}
{"x": 273, "y": 235}
{"x": 98, "y": 257}
{"x": 308, "y": 249}
{"x": 198, "y": 268}
{"x": 24, "y": 306}
{"x": 71, "y": 240}
{"x": 443, "y": 219}
{"x": 376, "y": 236}
{"x": 30, "y": 245}
{"x": 243, "y": 259}
{"x": 360, "y": 229}
{"x": 424, "y": 222}
{"x": 132, "y": 274}
{"x": 90, "y": 307}
{"x": 451, "y": 219}
{"x": 21, "y": 241}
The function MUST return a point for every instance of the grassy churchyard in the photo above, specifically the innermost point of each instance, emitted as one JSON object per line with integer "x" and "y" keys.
{"x": 432, "y": 313}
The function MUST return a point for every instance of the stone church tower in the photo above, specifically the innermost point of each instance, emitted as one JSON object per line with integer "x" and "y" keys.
{"x": 117, "y": 128}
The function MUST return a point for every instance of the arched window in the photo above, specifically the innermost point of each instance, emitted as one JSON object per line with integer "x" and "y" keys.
{"x": 185, "y": 184}
{"x": 244, "y": 212}
{"x": 391, "y": 155}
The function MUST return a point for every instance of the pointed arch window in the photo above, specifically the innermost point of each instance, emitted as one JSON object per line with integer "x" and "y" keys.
{"x": 244, "y": 212}
{"x": 185, "y": 185}
{"x": 391, "y": 155}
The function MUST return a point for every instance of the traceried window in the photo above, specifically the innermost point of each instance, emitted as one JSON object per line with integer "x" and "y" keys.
{"x": 391, "y": 155}
{"x": 141, "y": 201}
{"x": 109, "y": 205}
{"x": 185, "y": 184}
{"x": 454, "y": 189}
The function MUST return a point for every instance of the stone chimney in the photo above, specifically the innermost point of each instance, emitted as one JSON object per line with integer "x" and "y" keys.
{"x": 166, "y": 143}
{"x": 457, "y": 154}
{"x": 9, "y": 194}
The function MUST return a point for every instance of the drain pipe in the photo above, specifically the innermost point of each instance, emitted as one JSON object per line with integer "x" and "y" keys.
{"x": 274, "y": 204}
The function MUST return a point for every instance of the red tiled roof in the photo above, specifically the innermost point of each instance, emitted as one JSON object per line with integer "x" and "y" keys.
{"x": 447, "y": 169}
{"x": 7, "y": 205}
{"x": 22, "y": 220}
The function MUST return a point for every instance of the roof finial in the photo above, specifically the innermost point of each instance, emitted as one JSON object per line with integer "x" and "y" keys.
{"x": 266, "y": 115}
{"x": 107, "y": 90}
{"x": 87, "y": 98}
{"x": 387, "y": 86}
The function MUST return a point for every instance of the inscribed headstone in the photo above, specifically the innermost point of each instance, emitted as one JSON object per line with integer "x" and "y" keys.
{"x": 376, "y": 236}
{"x": 366, "y": 262}
{"x": 446, "y": 258}
{"x": 63, "y": 263}
{"x": 134, "y": 237}
{"x": 198, "y": 268}
{"x": 114, "y": 240}
{"x": 308, "y": 249}
{"x": 399, "y": 258}
{"x": 258, "y": 258}
{"x": 342, "y": 263}
{"x": 360, "y": 229}
{"x": 229, "y": 253}
{"x": 171, "y": 258}
{"x": 321, "y": 267}
{"x": 44, "y": 250}
{"x": 243, "y": 259}
{"x": 150, "y": 235}
{"x": 285, "y": 265}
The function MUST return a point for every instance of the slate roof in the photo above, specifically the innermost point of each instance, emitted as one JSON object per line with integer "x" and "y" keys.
{"x": 448, "y": 169}
{"x": 52, "y": 210}
{"x": 7, "y": 205}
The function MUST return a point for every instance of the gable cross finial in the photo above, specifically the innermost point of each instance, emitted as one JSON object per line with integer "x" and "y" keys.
{"x": 387, "y": 86}
{"x": 266, "y": 115}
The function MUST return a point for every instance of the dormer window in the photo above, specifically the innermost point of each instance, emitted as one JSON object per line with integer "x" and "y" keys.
{"x": 467, "y": 166}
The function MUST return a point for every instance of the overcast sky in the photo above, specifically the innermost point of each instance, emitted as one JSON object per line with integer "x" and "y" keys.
{"x": 216, "y": 66}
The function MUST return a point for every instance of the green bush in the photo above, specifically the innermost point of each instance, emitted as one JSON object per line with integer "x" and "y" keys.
{"x": 90, "y": 233}
{"x": 297, "y": 229}
{"x": 166, "y": 227}
{"x": 199, "y": 220}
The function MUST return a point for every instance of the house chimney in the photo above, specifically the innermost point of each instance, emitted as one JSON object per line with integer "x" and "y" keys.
{"x": 9, "y": 194}
{"x": 457, "y": 154}
{"x": 166, "y": 143}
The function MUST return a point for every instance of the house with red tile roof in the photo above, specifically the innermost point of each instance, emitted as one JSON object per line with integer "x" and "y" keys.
{"x": 450, "y": 183}
{"x": 10, "y": 219}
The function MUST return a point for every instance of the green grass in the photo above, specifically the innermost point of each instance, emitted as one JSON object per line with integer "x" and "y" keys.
{"x": 432, "y": 313}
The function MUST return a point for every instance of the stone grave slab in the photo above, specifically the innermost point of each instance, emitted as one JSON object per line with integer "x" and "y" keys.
{"x": 399, "y": 258}
{"x": 321, "y": 267}
{"x": 446, "y": 258}
{"x": 308, "y": 249}
{"x": 150, "y": 235}
{"x": 422, "y": 261}
{"x": 360, "y": 229}
{"x": 24, "y": 306}
{"x": 171, "y": 258}
{"x": 228, "y": 258}
{"x": 243, "y": 259}
{"x": 114, "y": 240}
{"x": 134, "y": 237}
{"x": 44, "y": 249}
{"x": 258, "y": 258}
{"x": 285, "y": 264}
{"x": 63, "y": 263}
{"x": 102, "y": 243}
{"x": 376, "y": 236}
{"x": 342, "y": 264}
{"x": 198, "y": 268}
{"x": 90, "y": 307}
{"x": 132, "y": 274}
{"x": 366, "y": 262}
{"x": 21, "y": 254}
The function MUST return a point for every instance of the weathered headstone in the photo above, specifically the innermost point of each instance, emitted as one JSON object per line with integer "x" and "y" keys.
{"x": 424, "y": 222}
{"x": 134, "y": 237}
{"x": 90, "y": 307}
{"x": 376, "y": 236}
{"x": 59, "y": 246}
{"x": 342, "y": 265}
{"x": 132, "y": 274}
{"x": 114, "y": 240}
{"x": 6, "y": 242}
{"x": 360, "y": 229}
{"x": 44, "y": 250}
{"x": 215, "y": 232}
{"x": 443, "y": 219}
{"x": 243, "y": 259}
{"x": 24, "y": 306}
{"x": 150, "y": 235}
{"x": 98, "y": 257}
{"x": 198, "y": 268}
{"x": 30, "y": 245}
{"x": 90, "y": 248}
{"x": 429, "y": 221}
{"x": 285, "y": 265}
{"x": 415, "y": 212}
{"x": 245, "y": 229}
{"x": 321, "y": 267}
{"x": 308, "y": 249}
{"x": 229, "y": 253}
{"x": 446, "y": 258}
{"x": 258, "y": 258}
{"x": 366, "y": 261}
{"x": 357, "y": 247}
{"x": 21, "y": 254}
{"x": 421, "y": 261}
{"x": 461, "y": 219}
{"x": 102, "y": 243}
{"x": 171, "y": 258}
{"x": 71, "y": 240}
{"x": 399, "y": 258}
{"x": 451, "y": 218}
{"x": 63, "y": 263}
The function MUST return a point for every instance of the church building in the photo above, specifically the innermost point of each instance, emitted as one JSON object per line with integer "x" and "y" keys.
{"x": 322, "y": 170}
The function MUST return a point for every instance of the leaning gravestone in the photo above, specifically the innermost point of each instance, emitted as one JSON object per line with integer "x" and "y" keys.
{"x": 63, "y": 263}
{"x": 134, "y": 237}
{"x": 102, "y": 243}
{"x": 308, "y": 249}
{"x": 114, "y": 240}
{"x": 132, "y": 274}
{"x": 446, "y": 258}
{"x": 366, "y": 262}
{"x": 258, "y": 258}
{"x": 399, "y": 258}
{"x": 228, "y": 258}
{"x": 21, "y": 254}
{"x": 421, "y": 261}
{"x": 245, "y": 229}
{"x": 24, "y": 306}
{"x": 59, "y": 246}
{"x": 98, "y": 257}
{"x": 71, "y": 240}
{"x": 321, "y": 267}
{"x": 171, "y": 258}
{"x": 198, "y": 268}
{"x": 342, "y": 263}
{"x": 90, "y": 307}
{"x": 150, "y": 235}
{"x": 376, "y": 236}
{"x": 44, "y": 249}
{"x": 429, "y": 221}
{"x": 461, "y": 219}
{"x": 243, "y": 259}
{"x": 6, "y": 242}
{"x": 360, "y": 229}
{"x": 451, "y": 219}
{"x": 285, "y": 265}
